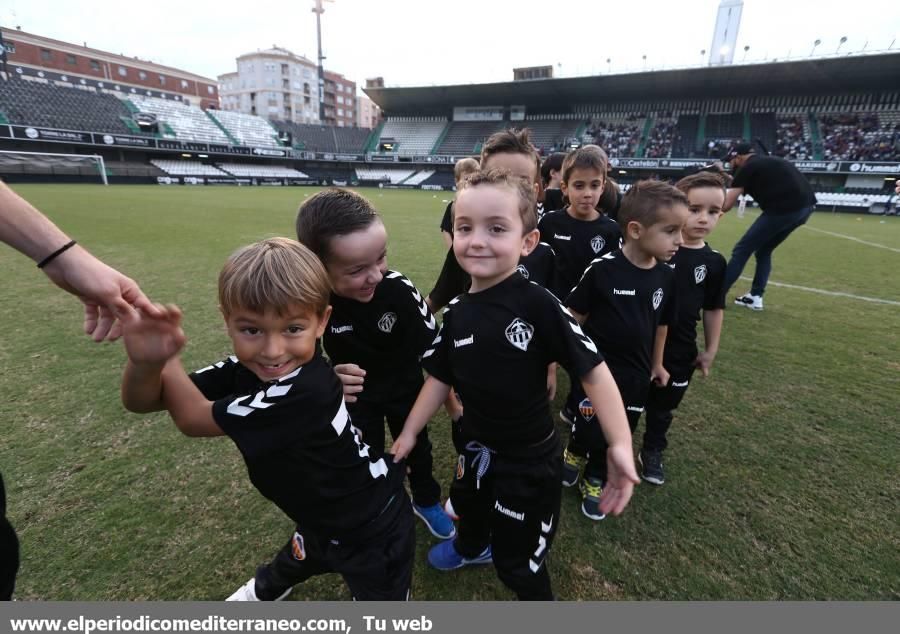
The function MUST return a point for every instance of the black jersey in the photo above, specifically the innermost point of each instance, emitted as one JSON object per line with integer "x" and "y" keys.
{"x": 299, "y": 446}
{"x": 699, "y": 277}
{"x": 553, "y": 199}
{"x": 576, "y": 243}
{"x": 539, "y": 266}
{"x": 494, "y": 348}
{"x": 385, "y": 336}
{"x": 625, "y": 304}
{"x": 447, "y": 220}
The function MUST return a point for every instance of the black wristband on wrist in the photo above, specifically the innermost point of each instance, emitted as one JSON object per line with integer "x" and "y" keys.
{"x": 49, "y": 258}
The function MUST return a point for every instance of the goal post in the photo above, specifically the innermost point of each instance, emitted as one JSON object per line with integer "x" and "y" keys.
{"x": 50, "y": 163}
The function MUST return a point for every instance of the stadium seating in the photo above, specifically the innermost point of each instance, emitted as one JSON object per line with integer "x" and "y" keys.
{"x": 684, "y": 144}
{"x": 187, "y": 168}
{"x": 441, "y": 179}
{"x": 260, "y": 171}
{"x": 383, "y": 175}
{"x": 466, "y": 137}
{"x": 551, "y": 133}
{"x": 188, "y": 122}
{"x": 40, "y": 103}
{"x": 351, "y": 140}
{"x": 860, "y": 136}
{"x": 660, "y": 138}
{"x": 247, "y": 129}
{"x": 419, "y": 178}
{"x": 413, "y": 135}
{"x": 619, "y": 134}
{"x": 792, "y": 137}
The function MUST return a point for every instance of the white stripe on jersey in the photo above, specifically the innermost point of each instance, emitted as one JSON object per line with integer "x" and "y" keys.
{"x": 427, "y": 317}
{"x": 339, "y": 422}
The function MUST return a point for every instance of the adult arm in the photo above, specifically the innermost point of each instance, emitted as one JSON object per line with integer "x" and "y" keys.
{"x": 105, "y": 293}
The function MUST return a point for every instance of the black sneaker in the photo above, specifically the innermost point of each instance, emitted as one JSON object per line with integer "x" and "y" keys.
{"x": 651, "y": 466}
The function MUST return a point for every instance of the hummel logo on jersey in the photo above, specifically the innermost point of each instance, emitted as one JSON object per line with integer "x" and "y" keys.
{"x": 633, "y": 408}
{"x": 559, "y": 237}
{"x": 387, "y": 321}
{"x": 657, "y": 298}
{"x": 700, "y": 273}
{"x": 519, "y": 334}
{"x": 336, "y": 330}
{"x": 597, "y": 243}
{"x": 508, "y": 512}
{"x": 680, "y": 383}
{"x": 459, "y": 343}
{"x": 617, "y": 291}
{"x": 523, "y": 271}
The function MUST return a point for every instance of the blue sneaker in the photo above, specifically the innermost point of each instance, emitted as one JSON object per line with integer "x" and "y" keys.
{"x": 443, "y": 556}
{"x": 436, "y": 520}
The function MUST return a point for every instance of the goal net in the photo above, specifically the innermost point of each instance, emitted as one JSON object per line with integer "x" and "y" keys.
{"x": 50, "y": 164}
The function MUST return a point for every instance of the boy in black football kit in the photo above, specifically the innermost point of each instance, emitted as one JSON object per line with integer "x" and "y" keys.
{"x": 625, "y": 300}
{"x": 282, "y": 405}
{"x": 506, "y": 488}
{"x": 379, "y": 328}
{"x": 510, "y": 150}
{"x": 699, "y": 283}
{"x": 578, "y": 233}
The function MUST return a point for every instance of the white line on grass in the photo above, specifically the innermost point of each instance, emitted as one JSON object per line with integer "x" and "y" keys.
{"x": 874, "y": 300}
{"x": 841, "y": 235}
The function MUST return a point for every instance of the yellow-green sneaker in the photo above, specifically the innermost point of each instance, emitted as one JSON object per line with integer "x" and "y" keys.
{"x": 571, "y": 469}
{"x": 591, "y": 490}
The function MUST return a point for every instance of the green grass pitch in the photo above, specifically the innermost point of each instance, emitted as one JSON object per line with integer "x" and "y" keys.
{"x": 782, "y": 467}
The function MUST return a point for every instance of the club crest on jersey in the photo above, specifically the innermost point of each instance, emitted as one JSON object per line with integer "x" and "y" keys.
{"x": 597, "y": 243}
{"x": 460, "y": 467}
{"x": 387, "y": 321}
{"x": 657, "y": 298}
{"x": 700, "y": 273}
{"x": 586, "y": 408}
{"x": 523, "y": 271}
{"x": 519, "y": 334}
{"x": 298, "y": 549}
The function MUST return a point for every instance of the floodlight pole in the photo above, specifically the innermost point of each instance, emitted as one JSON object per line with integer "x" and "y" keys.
{"x": 318, "y": 9}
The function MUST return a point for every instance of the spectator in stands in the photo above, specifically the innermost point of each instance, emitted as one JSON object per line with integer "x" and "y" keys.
{"x": 106, "y": 294}
{"x": 786, "y": 199}
{"x": 463, "y": 168}
{"x": 551, "y": 169}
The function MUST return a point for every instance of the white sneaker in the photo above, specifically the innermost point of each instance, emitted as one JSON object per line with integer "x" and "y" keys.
{"x": 247, "y": 592}
{"x": 753, "y": 302}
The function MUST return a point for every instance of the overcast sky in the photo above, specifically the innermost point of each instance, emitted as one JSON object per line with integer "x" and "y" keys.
{"x": 424, "y": 42}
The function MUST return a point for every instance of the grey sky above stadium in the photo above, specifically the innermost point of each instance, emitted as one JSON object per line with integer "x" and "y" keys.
{"x": 424, "y": 42}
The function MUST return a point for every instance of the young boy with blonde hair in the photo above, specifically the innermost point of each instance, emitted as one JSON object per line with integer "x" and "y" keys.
{"x": 282, "y": 405}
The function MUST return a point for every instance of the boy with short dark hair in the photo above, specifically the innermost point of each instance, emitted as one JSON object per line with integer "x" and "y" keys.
{"x": 699, "y": 283}
{"x": 625, "y": 300}
{"x": 282, "y": 405}
{"x": 506, "y": 489}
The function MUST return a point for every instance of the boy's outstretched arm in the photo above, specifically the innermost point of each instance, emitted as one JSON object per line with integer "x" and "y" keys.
{"x": 150, "y": 342}
{"x": 154, "y": 378}
{"x": 431, "y": 397}
{"x": 600, "y": 387}
{"x": 712, "y": 332}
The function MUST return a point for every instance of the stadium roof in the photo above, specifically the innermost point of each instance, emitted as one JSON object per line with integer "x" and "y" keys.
{"x": 839, "y": 75}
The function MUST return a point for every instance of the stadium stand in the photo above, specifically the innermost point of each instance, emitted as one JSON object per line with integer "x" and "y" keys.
{"x": 41, "y": 103}
{"x": 413, "y": 135}
{"x": 419, "y": 178}
{"x": 466, "y": 137}
{"x": 351, "y": 140}
{"x": 187, "y": 168}
{"x": 860, "y": 136}
{"x": 552, "y": 133}
{"x": 617, "y": 134}
{"x": 187, "y": 122}
{"x": 684, "y": 143}
{"x": 441, "y": 179}
{"x": 660, "y": 138}
{"x": 247, "y": 129}
{"x": 383, "y": 175}
{"x": 260, "y": 171}
{"x": 792, "y": 137}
